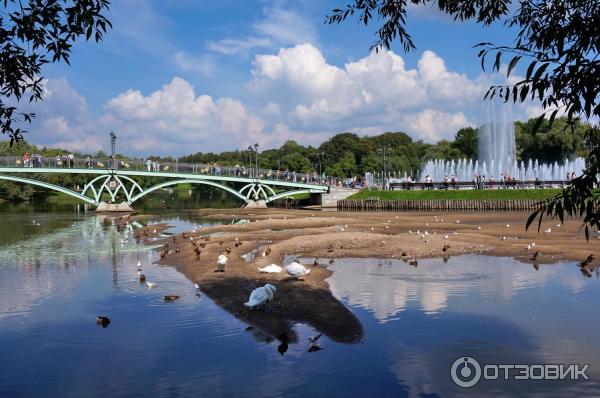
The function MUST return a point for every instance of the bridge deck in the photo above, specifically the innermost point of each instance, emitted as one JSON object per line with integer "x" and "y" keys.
{"x": 192, "y": 171}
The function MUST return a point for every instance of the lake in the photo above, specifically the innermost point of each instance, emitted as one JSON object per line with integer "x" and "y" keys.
{"x": 56, "y": 277}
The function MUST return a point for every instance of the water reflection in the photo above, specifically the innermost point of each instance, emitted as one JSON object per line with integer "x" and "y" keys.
{"x": 417, "y": 321}
{"x": 387, "y": 287}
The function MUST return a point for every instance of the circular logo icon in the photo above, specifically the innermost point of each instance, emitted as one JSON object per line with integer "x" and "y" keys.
{"x": 465, "y": 372}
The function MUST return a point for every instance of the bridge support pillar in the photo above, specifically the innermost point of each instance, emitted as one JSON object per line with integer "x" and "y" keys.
{"x": 256, "y": 204}
{"x": 114, "y": 207}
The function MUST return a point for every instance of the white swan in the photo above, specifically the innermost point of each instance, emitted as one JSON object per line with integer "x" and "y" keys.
{"x": 271, "y": 269}
{"x": 221, "y": 263}
{"x": 296, "y": 270}
{"x": 261, "y": 296}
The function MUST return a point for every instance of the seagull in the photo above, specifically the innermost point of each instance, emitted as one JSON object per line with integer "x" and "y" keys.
{"x": 445, "y": 236}
{"x": 221, "y": 263}
{"x": 271, "y": 269}
{"x": 479, "y": 228}
{"x": 151, "y": 284}
{"x": 528, "y": 247}
{"x": 548, "y": 230}
{"x": 458, "y": 221}
{"x": 261, "y": 296}
{"x": 197, "y": 286}
{"x": 504, "y": 238}
{"x": 507, "y": 225}
{"x": 296, "y": 270}
{"x": 139, "y": 264}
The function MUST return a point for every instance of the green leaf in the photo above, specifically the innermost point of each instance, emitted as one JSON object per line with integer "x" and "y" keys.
{"x": 512, "y": 64}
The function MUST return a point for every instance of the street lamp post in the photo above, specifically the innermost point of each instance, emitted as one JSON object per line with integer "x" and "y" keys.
{"x": 256, "y": 150}
{"x": 320, "y": 166}
{"x": 383, "y": 150}
{"x": 113, "y": 142}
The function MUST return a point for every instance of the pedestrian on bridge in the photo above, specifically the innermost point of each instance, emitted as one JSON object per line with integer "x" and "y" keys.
{"x": 149, "y": 164}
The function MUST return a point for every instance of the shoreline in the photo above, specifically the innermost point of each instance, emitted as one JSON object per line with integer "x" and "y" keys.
{"x": 331, "y": 235}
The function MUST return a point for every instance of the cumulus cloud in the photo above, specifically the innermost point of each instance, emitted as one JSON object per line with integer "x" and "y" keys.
{"x": 375, "y": 91}
{"x": 294, "y": 93}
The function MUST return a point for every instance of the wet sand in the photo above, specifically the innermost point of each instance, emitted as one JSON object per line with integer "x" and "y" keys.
{"x": 331, "y": 235}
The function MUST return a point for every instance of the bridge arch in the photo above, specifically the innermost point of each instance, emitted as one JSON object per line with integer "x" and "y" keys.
{"x": 49, "y": 186}
{"x": 288, "y": 193}
{"x": 188, "y": 181}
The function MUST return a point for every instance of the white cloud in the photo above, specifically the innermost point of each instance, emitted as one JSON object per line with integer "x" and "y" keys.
{"x": 198, "y": 64}
{"x": 377, "y": 91}
{"x": 236, "y": 46}
{"x": 279, "y": 27}
{"x": 294, "y": 93}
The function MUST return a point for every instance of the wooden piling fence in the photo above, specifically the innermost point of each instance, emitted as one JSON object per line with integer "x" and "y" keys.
{"x": 439, "y": 205}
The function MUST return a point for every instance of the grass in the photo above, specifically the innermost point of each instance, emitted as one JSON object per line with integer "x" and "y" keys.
{"x": 461, "y": 194}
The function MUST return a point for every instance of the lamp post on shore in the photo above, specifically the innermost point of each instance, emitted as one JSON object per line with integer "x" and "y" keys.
{"x": 256, "y": 150}
{"x": 383, "y": 150}
{"x": 113, "y": 143}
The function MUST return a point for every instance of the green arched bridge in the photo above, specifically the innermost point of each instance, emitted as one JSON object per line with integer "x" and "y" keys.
{"x": 111, "y": 186}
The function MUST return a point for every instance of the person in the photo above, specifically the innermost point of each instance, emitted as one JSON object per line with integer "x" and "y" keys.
{"x": 26, "y": 159}
{"x": 491, "y": 182}
{"x": 149, "y": 164}
{"x": 446, "y": 181}
{"x": 538, "y": 183}
{"x": 57, "y": 161}
{"x": 71, "y": 160}
{"x": 64, "y": 161}
{"x": 454, "y": 182}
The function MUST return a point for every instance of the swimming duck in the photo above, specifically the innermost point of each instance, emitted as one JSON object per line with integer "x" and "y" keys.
{"x": 102, "y": 320}
{"x": 170, "y": 297}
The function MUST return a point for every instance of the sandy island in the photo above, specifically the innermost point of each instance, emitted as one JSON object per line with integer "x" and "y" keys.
{"x": 331, "y": 235}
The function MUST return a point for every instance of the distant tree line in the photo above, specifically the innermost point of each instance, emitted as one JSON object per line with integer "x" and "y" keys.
{"x": 343, "y": 155}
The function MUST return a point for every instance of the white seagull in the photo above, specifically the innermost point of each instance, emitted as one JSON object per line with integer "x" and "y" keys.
{"x": 271, "y": 269}
{"x": 296, "y": 270}
{"x": 221, "y": 263}
{"x": 139, "y": 264}
{"x": 151, "y": 284}
{"x": 261, "y": 296}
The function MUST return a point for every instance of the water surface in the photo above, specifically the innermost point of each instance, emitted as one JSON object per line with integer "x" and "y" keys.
{"x": 56, "y": 277}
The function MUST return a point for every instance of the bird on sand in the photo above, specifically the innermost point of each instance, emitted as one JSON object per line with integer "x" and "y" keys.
{"x": 445, "y": 248}
{"x": 221, "y": 263}
{"x": 548, "y": 230}
{"x": 271, "y": 269}
{"x": 296, "y": 270}
{"x": 261, "y": 296}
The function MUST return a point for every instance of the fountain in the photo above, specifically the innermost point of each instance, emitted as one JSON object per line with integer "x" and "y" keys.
{"x": 497, "y": 155}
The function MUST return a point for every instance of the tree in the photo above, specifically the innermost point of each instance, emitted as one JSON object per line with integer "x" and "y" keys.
{"x": 32, "y": 34}
{"x": 560, "y": 40}
{"x": 466, "y": 142}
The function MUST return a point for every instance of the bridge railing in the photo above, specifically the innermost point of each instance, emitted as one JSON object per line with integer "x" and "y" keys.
{"x": 19, "y": 162}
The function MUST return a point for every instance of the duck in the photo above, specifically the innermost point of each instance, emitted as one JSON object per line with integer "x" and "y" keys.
{"x": 535, "y": 255}
{"x": 316, "y": 262}
{"x": 296, "y": 270}
{"x": 587, "y": 261}
{"x": 102, "y": 320}
{"x": 221, "y": 263}
{"x": 271, "y": 269}
{"x": 170, "y": 297}
{"x": 142, "y": 277}
{"x": 413, "y": 262}
{"x": 151, "y": 284}
{"x": 261, "y": 296}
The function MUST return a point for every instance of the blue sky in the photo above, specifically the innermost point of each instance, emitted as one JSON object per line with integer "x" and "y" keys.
{"x": 182, "y": 76}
